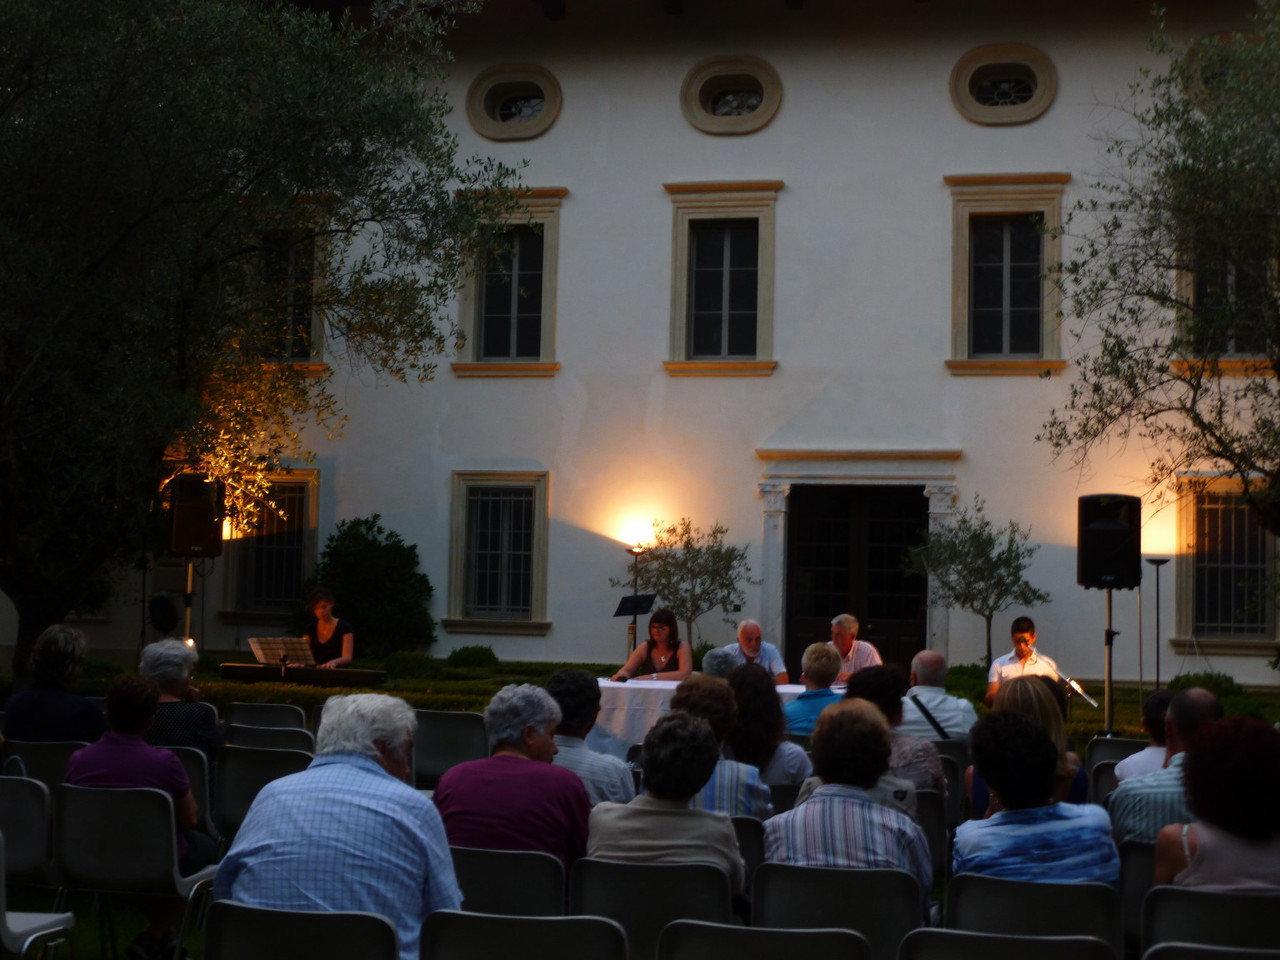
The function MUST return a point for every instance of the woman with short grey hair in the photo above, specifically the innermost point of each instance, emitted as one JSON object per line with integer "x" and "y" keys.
{"x": 181, "y": 719}
{"x": 515, "y": 707}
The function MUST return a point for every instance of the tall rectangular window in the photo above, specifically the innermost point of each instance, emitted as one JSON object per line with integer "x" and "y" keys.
{"x": 267, "y": 565}
{"x": 289, "y": 268}
{"x": 1005, "y": 236}
{"x": 723, "y": 288}
{"x": 510, "y": 310}
{"x": 1232, "y": 303}
{"x": 1232, "y": 570}
{"x": 499, "y": 552}
{"x": 1005, "y": 296}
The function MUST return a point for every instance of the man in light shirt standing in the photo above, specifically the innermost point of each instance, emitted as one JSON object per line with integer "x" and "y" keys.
{"x": 1023, "y": 661}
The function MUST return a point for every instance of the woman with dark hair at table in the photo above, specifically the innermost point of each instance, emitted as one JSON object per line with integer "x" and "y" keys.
{"x": 1232, "y": 778}
{"x": 759, "y": 737}
{"x": 662, "y": 656}
{"x": 332, "y": 640}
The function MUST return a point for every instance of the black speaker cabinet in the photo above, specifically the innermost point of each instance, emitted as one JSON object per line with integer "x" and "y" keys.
{"x": 1109, "y": 542}
{"x": 196, "y": 514}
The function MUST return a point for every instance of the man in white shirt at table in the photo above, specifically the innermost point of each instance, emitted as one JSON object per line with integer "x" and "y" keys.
{"x": 751, "y": 648}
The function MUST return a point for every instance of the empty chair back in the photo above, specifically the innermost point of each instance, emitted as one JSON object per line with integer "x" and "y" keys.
{"x": 750, "y": 834}
{"x": 957, "y": 796}
{"x": 196, "y": 764}
{"x": 1114, "y": 749}
{"x": 1137, "y": 874}
{"x": 445, "y": 739}
{"x": 968, "y": 945}
{"x": 456, "y": 935}
{"x": 983, "y": 904}
{"x": 956, "y": 749}
{"x": 1201, "y": 951}
{"x": 21, "y": 931}
{"x": 521, "y": 883}
{"x": 699, "y": 940}
{"x": 266, "y": 715}
{"x": 242, "y": 772}
{"x": 1219, "y": 918}
{"x": 119, "y": 839}
{"x": 931, "y": 813}
{"x": 273, "y": 738}
{"x": 645, "y": 897}
{"x": 882, "y": 905}
{"x": 1102, "y": 781}
{"x": 46, "y": 762}
{"x": 25, "y": 825}
{"x": 234, "y": 931}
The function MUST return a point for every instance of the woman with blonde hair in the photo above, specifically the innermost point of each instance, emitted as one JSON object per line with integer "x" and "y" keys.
{"x": 1031, "y": 697}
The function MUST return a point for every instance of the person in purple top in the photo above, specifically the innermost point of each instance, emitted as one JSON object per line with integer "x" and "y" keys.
{"x": 122, "y": 758}
{"x": 516, "y": 799}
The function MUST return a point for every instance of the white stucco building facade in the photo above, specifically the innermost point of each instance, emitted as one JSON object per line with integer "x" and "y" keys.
{"x": 846, "y": 396}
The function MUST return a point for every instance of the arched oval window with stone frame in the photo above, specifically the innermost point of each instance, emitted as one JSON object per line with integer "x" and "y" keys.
{"x": 730, "y": 96}
{"x": 513, "y": 101}
{"x": 1003, "y": 84}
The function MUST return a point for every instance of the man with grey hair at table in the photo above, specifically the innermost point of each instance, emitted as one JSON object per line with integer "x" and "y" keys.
{"x": 517, "y": 799}
{"x": 855, "y": 654}
{"x": 751, "y": 648}
{"x": 349, "y": 832}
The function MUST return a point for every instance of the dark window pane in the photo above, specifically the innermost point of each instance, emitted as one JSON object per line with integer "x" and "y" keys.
{"x": 511, "y": 298}
{"x": 744, "y": 243}
{"x": 742, "y": 335}
{"x": 708, "y": 244}
{"x": 706, "y": 335}
{"x": 499, "y": 552}
{"x": 708, "y": 291}
{"x": 743, "y": 289}
{"x": 1024, "y": 331}
{"x": 495, "y": 337}
{"x": 528, "y": 337}
{"x": 710, "y": 274}
{"x": 530, "y": 241}
{"x": 986, "y": 332}
{"x": 986, "y": 241}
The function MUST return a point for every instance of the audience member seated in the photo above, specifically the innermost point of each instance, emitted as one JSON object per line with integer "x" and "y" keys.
{"x": 759, "y": 736}
{"x": 662, "y": 656}
{"x": 750, "y": 648}
{"x": 121, "y": 758}
{"x": 46, "y": 709}
{"x": 911, "y": 758}
{"x": 1028, "y": 835}
{"x": 181, "y": 720}
{"x": 1232, "y": 777}
{"x": 1141, "y": 806}
{"x": 854, "y": 654}
{"x": 1150, "y": 758}
{"x": 819, "y": 665}
{"x": 1029, "y": 697}
{"x": 735, "y": 788}
{"x": 718, "y": 661}
{"x": 517, "y": 799}
{"x": 840, "y": 825}
{"x": 349, "y": 832}
{"x": 606, "y": 777}
{"x": 927, "y": 697}
{"x": 680, "y": 752}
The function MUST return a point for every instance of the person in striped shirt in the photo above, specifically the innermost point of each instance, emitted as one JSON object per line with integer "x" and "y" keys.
{"x": 840, "y": 825}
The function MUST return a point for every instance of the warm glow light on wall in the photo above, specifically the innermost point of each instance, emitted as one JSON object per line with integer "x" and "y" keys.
{"x": 634, "y": 528}
{"x": 1160, "y": 534}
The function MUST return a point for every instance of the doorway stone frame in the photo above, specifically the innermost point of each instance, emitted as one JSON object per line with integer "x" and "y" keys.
{"x": 932, "y": 467}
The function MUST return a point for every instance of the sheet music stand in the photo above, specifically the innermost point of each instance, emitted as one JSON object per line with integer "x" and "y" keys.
{"x": 633, "y": 606}
{"x": 282, "y": 651}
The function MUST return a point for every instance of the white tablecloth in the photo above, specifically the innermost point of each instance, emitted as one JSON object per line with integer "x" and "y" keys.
{"x": 628, "y": 710}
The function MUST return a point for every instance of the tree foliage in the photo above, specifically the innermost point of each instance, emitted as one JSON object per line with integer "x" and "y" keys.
{"x": 374, "y": 575}
{"x": 188, "y": 183}
{"x": 691, "y": 571}
{"x": 1173, "y": 282}
{"x": 978, "y": 567}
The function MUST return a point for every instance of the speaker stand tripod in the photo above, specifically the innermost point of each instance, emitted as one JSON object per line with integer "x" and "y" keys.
{"x": 1108, "y": 705}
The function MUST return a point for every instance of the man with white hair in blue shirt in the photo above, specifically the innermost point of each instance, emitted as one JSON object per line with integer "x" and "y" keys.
{"x": 349, "y": 832}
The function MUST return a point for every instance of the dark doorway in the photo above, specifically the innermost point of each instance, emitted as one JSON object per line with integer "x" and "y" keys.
{"x": 845, "y": 551}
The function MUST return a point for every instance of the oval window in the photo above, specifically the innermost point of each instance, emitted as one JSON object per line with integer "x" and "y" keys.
{"x": 1003, "y": 84}
{"x": 513, "y": 102}
{"x": 729, "y": 96}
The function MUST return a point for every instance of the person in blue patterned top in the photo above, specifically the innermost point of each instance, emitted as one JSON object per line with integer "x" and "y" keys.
{"x": 1029, "y": 837}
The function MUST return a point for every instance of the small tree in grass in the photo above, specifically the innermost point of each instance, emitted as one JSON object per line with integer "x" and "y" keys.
{"x": 692, "y": 572}
{"x": 374, "y": 575}
{"x": 975, "y": 566}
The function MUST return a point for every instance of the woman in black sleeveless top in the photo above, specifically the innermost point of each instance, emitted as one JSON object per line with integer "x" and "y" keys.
{"x": 662, "y": 656}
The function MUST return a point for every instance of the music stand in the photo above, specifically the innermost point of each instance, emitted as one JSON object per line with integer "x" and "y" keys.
{"x": 632, "y": 607}
{"x": 282, "y": 650}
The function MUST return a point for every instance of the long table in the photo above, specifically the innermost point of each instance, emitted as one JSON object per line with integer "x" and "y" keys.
{"x": 628, "y": 710}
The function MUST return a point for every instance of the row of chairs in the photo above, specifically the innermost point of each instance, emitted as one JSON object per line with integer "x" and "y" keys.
{"x": 238, "y": 932}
